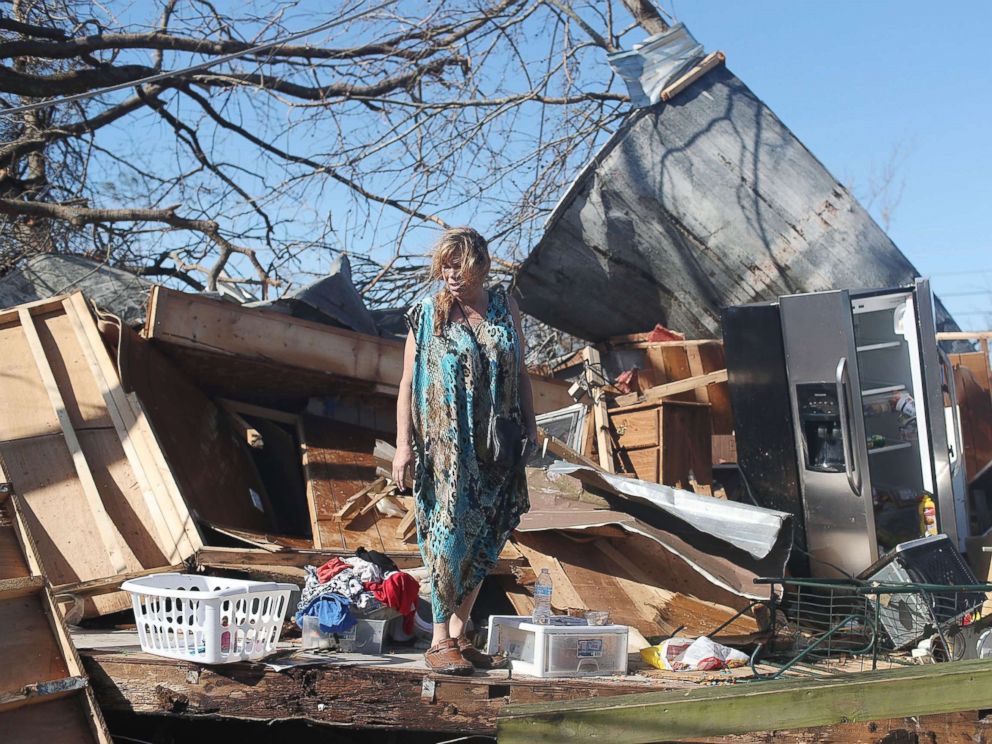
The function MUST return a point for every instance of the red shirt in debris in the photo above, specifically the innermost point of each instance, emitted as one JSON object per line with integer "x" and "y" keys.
{"x": 399, "y": 591}
{"x": 331, "y": 569}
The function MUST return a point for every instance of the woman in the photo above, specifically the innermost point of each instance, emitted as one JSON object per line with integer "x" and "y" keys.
{"x": 462, "y": 365}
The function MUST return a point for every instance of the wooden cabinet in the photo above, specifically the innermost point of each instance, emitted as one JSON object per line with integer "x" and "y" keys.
{"x": 662, "y": 442}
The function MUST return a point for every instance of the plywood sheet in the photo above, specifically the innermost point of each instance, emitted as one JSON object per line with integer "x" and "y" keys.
{"x": 338, "y": 463}
{"x": 24, "y": 407}
{"x": 205, "y": 454}
{"x": 77, "y": 386}
{"x": 82, "y": 496}
{"x": 61, "y": 721}
{"x": 31, "y": 653}
{"x": 122, "y": 495}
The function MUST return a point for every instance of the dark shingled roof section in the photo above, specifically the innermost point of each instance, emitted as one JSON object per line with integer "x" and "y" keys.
{"x": 48, "y": 275}
{"x": 696, "y": 204}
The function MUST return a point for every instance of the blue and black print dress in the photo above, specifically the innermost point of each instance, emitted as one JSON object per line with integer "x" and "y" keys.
{"x": 465, "y": 508}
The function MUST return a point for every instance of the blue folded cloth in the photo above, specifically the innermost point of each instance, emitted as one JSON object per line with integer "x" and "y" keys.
{"x": 332, "y": 612}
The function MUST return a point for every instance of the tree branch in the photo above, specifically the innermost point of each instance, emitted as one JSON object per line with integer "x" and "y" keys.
{"x": 29, "y": 29}
{"x": 353, "y": 185}
{"x": 79, "y": 216}
{"x": 646, "y": 15}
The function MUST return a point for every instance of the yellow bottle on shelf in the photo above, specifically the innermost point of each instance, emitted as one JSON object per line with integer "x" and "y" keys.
{"x": 928, "y": 515}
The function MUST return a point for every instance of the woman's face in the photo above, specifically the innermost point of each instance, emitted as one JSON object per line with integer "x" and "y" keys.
{"x": 460, "y": 285}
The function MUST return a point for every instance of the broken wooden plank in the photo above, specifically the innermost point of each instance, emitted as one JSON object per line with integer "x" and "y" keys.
{"x": 659, "y": 392}
{"x": 407, "y": 526}
{"x": 338, "y": 463}
{"x": 96, "y": 587}
{"x": 249, "y": 433}
{"x": 375, "y": 499}
{"x": 354, "y": 503}
{"x": 710, "y": 61}
{"x": 719, "y": 711}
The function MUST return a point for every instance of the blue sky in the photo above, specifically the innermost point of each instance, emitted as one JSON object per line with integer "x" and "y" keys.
{"x": 867, "y": 83}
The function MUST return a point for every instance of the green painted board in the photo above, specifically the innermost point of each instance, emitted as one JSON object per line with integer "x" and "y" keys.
{"x": 756, "y": 706}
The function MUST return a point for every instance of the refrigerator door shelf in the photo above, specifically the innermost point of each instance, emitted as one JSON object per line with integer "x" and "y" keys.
{"x": 889, "y": 448}
{"x": 878, "y": 346}
{"x": 881, "y": 389}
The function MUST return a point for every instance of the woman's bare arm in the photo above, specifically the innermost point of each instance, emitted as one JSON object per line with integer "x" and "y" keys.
{"x": 526, "y": 393}
{"x": 403, "y": 459}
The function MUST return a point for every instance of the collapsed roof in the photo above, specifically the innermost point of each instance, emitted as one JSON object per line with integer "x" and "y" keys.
{"x": 48, "y": 275}
{"x": 696, "y": 204}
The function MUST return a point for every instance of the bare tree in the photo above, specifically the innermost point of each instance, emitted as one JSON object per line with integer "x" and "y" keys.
{"x": 197, "y": 145}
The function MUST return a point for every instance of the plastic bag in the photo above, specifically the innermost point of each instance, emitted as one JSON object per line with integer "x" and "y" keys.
{"x": 705, "y": 654}
{"x": 667, "y": 653}
{"x": 701, "y": 654}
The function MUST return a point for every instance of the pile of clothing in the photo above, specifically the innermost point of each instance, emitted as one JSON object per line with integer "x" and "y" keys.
{"x": 346, "y": 588}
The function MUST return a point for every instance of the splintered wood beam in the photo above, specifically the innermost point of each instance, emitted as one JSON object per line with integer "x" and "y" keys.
{"x": 668, "y": 389}
{"x": 720, "y": 711}
{"x": 39, "y": 691}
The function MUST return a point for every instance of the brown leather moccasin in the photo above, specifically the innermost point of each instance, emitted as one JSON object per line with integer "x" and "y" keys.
{"x": 479, "y": 659}
{"x": 445, "y": 658}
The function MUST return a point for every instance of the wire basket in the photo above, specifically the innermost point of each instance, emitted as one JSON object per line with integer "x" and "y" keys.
{"x": 814, "y": 621}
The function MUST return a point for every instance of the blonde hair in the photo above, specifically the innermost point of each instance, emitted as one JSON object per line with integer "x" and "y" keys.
{"x": 465, "y": 248}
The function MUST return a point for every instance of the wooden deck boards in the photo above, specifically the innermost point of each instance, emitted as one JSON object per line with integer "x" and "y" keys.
{"x": 388, "y": 692}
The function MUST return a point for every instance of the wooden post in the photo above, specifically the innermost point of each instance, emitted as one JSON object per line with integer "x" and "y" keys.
{"x": 593, "y": 371}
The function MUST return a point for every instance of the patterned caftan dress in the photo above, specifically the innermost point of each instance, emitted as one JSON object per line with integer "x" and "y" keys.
{"x": 465, "y": 508}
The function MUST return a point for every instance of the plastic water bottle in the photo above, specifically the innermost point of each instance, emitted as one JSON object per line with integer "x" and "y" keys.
{"x": 542, "y": 598}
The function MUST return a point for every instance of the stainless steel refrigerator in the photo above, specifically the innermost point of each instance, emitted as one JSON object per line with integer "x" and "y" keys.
{"x": 839, "y": 407}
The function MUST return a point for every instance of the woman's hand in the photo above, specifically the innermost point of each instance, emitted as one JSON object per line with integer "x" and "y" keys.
{"x": 403, "y": 466}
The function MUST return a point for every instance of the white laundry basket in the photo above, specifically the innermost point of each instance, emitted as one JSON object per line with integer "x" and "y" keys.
{"x": 207, "y": 619}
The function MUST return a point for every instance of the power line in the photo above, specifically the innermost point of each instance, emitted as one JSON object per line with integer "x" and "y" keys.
{"x": 975, "y": 293}
{"x": 966, "y": 272}
{"x": 194, "y": 68}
